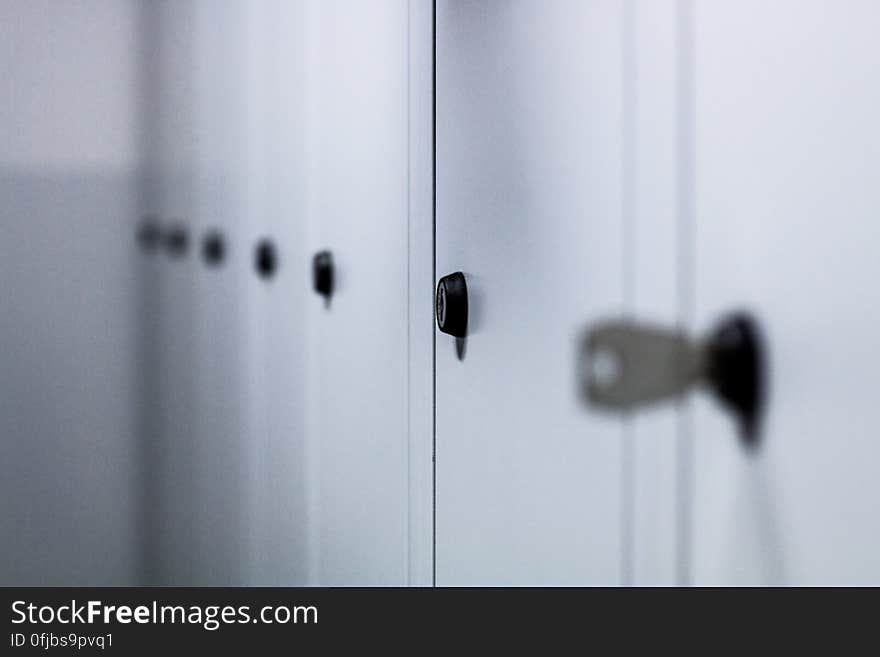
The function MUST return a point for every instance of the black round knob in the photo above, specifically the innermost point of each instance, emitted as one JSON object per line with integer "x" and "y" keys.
{"x": 177, "y": 240}
{"x": 322, "y": 273}
{"x": 265, "y": 258}
{"x": 149, "y": 234}
{"x": 736, "y": 371}
{"x": 452, "y": 305}
{"x": 213, "y": 248}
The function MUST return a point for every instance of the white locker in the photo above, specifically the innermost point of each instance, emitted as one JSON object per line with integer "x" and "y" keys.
{"x": 281, "y": 511}
{"x": 360, "y": 209}
{"x": 70, "y": 388}
{"x": 174, "y": 147}
{"x": 232, "y": 372}
{"x": 785, "y": 101}
{"x": 654, "y": 275}
{"x": 529, "y": 97}
{"x": 220, "y": 486}
{"x": 291, "y": 442}
{"x": 752, "y": 124}
{"x": 606, "y": 160}
{"x": 647, "y": 162}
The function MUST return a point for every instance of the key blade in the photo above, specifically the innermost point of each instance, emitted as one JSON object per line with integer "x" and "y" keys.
{"x": 625, "y": 364}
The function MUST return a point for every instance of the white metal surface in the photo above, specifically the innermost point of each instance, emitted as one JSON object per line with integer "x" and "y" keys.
{"x": 786, "y": 99}
{"x": 173, "y": 435}
{"x": 664, "y": 160}
{"x": 258, "y": 481}
{"x": 655, "y": 275}
{"x": 221, "y": 485}
{"x": 529, "y": 207}
{"x": 358, "y": 97}
{"x": 247, "y": 491}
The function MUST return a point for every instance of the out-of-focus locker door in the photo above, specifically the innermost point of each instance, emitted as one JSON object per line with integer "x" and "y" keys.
{"x": 654, "y": 275}
{"x": 249, "y": 482}
{"x": 529, "y": 486}
{"x": 172, "y": 532}
{"x": 359, "y": 208}
{"x": 280, "y": 525}
{"x": 221, "y": 484}
{"x": 786, "y": 200}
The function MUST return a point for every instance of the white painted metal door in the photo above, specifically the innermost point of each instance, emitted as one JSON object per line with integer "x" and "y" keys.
{"x": 280, "y": 513}
{"x": 225, "y": 491}
{"x": 173, "y": 143}
{"x": 360, "y": 207}
{"x": 656, "y": 275}
{"x": 228, "y": 194}
{"x": 250, "y": 511}
{"x": 786, "y": 197}
{"x": 529, "y": 486}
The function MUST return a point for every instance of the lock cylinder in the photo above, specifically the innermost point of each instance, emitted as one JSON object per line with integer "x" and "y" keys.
{"x": 452, "y": 305}
{"x": 323, "y": 274}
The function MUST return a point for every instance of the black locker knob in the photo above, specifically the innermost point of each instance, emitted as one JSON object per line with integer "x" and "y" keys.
{"x": 322, "y": 274}
{"x": 265, "y": 258}
{"x": 177, "y": 240}
{"x": 213, "y": 248}
{"x": 149, "y": 234}
{"x": 452, "y": 305}
{"x": 735, "y": 370}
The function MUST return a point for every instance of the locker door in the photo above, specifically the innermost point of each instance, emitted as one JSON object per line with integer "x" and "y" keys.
{"x": 358, "y": 204}
{"x": 220, "y": 474}
{"x": 786, "y": 200}
{"x": 282, "y": 522}
{"x": 173, "y": 532}
{"x": 655, "y": 274}
{"x": 529, "y": 486}
{"x": 264, "y": 265}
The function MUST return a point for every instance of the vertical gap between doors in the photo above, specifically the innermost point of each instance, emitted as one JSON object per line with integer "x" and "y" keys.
{"x": 409, "y": 222}
{"x": 433, "y": 279}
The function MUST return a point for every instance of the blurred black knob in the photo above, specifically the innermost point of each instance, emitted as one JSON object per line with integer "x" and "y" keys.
{"x": 736, "y": 355}
{"x": 452, "y": 305}
{"x": 265, "y": 258}
{"x": 322, "y": 273}
{"x": 177, "y": 240}
{"x": 149, "y": 234}
{"x": 213, "y": 248}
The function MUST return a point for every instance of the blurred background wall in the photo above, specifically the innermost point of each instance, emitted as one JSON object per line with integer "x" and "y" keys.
{"x": 70, "y": 125}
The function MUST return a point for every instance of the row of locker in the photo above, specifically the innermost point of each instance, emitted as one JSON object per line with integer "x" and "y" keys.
{"x": 175, "y": 241}
{"x": 615, "y": 165}
{"x": 276, "y": 426}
